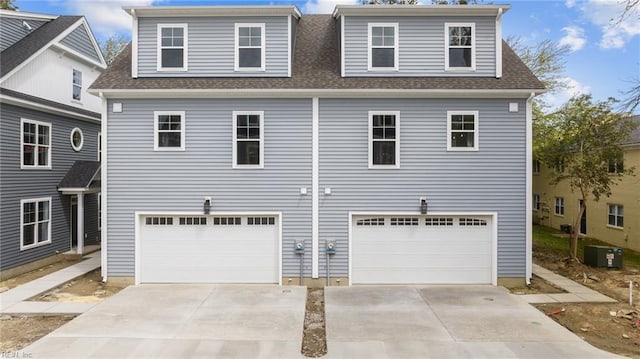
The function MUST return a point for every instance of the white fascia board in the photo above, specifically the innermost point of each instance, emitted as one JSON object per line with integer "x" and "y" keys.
{"x": 28, "y": 15}
{"x": 223, "y": 11}
{"x": 104, "y": 234}
{"x": 529, "y": 190}
{"x": 79, "y": 56}
{"x": 418, "y": 10}
{"x": 306, "y": 93}
{"x": 44, "y": 108}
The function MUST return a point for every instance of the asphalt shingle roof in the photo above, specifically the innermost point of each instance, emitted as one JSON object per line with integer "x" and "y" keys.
{"x": 19, "y": 52}
{"x": 80, "y": 174}
{"x": 317, "y": 66}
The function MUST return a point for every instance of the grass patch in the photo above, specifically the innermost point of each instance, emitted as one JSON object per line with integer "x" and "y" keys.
{"x": 545, "y": 241}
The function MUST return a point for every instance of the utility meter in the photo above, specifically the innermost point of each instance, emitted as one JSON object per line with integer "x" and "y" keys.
{"x": 299, "y": 247}
{"x": 331, "y": 247}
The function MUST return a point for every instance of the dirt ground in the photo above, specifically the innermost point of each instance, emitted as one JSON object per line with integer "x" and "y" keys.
{"x": 314, "y": 341}
{"x": 614, "y": 327}
{"x": 538, "y": 285}
{"x": 17, "y": 332}
{"x": 38, "y": 273}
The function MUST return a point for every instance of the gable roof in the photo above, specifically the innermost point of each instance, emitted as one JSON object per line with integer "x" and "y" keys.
{"x": 316, "y": 66}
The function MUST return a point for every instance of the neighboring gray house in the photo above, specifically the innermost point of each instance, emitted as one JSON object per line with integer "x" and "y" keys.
{"x": 49, "y": 138}
{"x": 400, "y": 134}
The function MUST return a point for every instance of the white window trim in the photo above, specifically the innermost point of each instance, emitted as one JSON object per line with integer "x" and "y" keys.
{"x": 183, "y": 125}
{"x": 35, "y": 166}
{"x": 185, "y": 47}
{"x": 609, "y": 205}
{"x": 396, "y": 41}
{"x": 555, "y": 205}
{"x": 262, "y": 47}
{"x": 476, "y": 131}
{"x": 235, "y": 139}
{"x": 99, "y": 143}
{"x": 79, "y": 147}
{"x": 74, "y": 85}
{"x": 370, "y": 138}
{"x": 447, "y": 25}
{"x": 36, "y": 244}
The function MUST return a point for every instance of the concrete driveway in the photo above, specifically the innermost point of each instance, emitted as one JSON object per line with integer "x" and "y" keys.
{"x": 185, "y": 321}
{"x": 443, "y": 322}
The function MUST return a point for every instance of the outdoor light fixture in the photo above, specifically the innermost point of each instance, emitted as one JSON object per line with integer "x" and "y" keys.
{"x": 423, "y": 205}
{"x": 207, "y": 205}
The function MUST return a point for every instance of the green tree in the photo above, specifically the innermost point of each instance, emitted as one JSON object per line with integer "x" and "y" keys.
{"x": 8, "y": 5}
{"x": 112, "y": 47}
{"x": 631, "y": 99}
{"x": 585, "y": 138}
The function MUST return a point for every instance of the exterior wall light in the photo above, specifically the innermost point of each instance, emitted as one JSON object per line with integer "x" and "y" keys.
{"x": 207, "y": 205}
{"x": 423, "y": 205}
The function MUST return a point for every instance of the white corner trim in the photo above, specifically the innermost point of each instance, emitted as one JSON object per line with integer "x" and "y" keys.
{"x": 289, "y": 45}
{"x": 315, "y": 187}
{"x": 342, "y": 46}
{"x": 529, "y": 189}
{"x": 499, "y": 43}
{"x": 103, "y": 191}
{"x": 134, "y": 44}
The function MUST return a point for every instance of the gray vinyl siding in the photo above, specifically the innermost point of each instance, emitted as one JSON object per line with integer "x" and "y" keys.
{"x": 489, "y": 180}
{"x": 421, "y": 46}
{"x": 80, "y": 41}
{"x": 12, "y": 31}
{"x": 17, "y": 184}
{"x": 140, "y": 179}
{"x": 211, "y": 51}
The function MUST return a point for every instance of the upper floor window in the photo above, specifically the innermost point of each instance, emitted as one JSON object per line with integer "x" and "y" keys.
{"x": 35, "y": 225}
{"x": 77, "y": 85}
{"x": 559, "y": 166}
{"x": 172, "y": 47}
{"x": 383, "y": 46}
{"x": 169, "y": 131}
{"x": 463, "y": 131}
{"x": 616, "y": 215}
{"x": 616, "y": 165}
{"x": 536, "y": 166}
{"x": 250, "y": 41}
{"x": 384, "y": 139}
{"x": 248, "y": 139}
{"x": 36, "y": 144}
{"x": 77, "y": 139}
{"x": 460, "y": 46}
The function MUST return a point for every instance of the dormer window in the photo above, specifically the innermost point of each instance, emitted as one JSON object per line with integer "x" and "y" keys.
{"x": 172, "y": 47}
{"x": 77, "y": 85}
{"x": 250, "y": 43}
{"x": 383, "y": 46}
{"x": 460, "y": 46}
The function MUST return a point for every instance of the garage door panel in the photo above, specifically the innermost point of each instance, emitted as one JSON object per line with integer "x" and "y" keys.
{"x": 458, "y": 252}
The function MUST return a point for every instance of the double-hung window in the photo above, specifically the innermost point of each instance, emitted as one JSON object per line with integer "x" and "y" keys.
{"x": 383, "y": 46}
{"x": 616, "y": 215}
{"x": 168, "y": 131}
{"x": 536, "y": 166}
{"x": 250, "y": 47}
{"x": 616, "y": 165}
{"x": 536, "y": 202}
{"x": 172, "y": 47}
{"x": 248, "y": 139}
{"x": 559, "y": 208}
{"x": 36, "y": 144}
{"x": 460, "y": 50}
{"x": 35, "y": 226}
{"x": 77, "y": 85}
{"x": 384, "y": 139}
{"x": 462, "y": 130}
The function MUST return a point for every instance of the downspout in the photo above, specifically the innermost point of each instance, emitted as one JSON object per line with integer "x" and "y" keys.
{"x": 529, "y": 188}
{"x": 103, "y": 187}
{"x": 134, "y": 44}
{"x": 499, "y": 43}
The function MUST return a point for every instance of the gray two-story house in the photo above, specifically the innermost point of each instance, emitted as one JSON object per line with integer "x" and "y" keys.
{"x": 379, "y": 144}
{"x": 49, "y": 139}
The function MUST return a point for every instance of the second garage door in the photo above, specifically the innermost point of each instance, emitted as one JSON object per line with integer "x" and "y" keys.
{"x": 209, "y": 249}
{"x": 422, "y": 249}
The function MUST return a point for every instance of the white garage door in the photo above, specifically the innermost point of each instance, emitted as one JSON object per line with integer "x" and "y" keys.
{"x": 421, "y": 249}
{"x": 209, "y": 249}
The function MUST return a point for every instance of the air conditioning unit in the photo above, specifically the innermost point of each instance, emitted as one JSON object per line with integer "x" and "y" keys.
{"x": 603, "y": 256}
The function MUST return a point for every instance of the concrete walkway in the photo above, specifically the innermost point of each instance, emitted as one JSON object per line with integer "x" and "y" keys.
{"x": 576, "y": 291}
{"x": 15, "y": 301}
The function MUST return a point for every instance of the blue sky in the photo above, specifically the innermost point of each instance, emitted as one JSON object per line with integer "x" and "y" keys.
{"x": 604, "y": 57}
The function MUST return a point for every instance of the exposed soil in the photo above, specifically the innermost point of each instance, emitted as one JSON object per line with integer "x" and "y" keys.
{"x": 86, "y": 289}
{"x": 538, "y": 285}
{"x": 314, "y": 341}
{"x": 18, "y": 331}
{"x": 35, "y": 274}
{"x": 614, "y": 327}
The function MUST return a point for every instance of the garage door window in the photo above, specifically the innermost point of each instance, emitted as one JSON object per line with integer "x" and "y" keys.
{"x": 473, "y": 222}
{"x": 159, "y": 221}
{"x": 438, "y": 221}
{"x": 227, "y": 221}
{"x": 370, "y": 222}
{"x": 261, "y": 221}
{"x": 404, "y": 221}
{"x": 191, "y": 221}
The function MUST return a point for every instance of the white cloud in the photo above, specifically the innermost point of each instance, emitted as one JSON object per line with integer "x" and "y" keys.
{"x": 572, "y": 88}
{"x": 325, "y": 6}
{"x": 570, "y": 3}
{"x": 106, "y": 17}
{"x": 574, "y": 38}
{"x": 605, "y": 14}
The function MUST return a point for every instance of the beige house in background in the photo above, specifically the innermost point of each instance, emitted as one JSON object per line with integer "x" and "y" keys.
{"x": 614, "y": 219}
